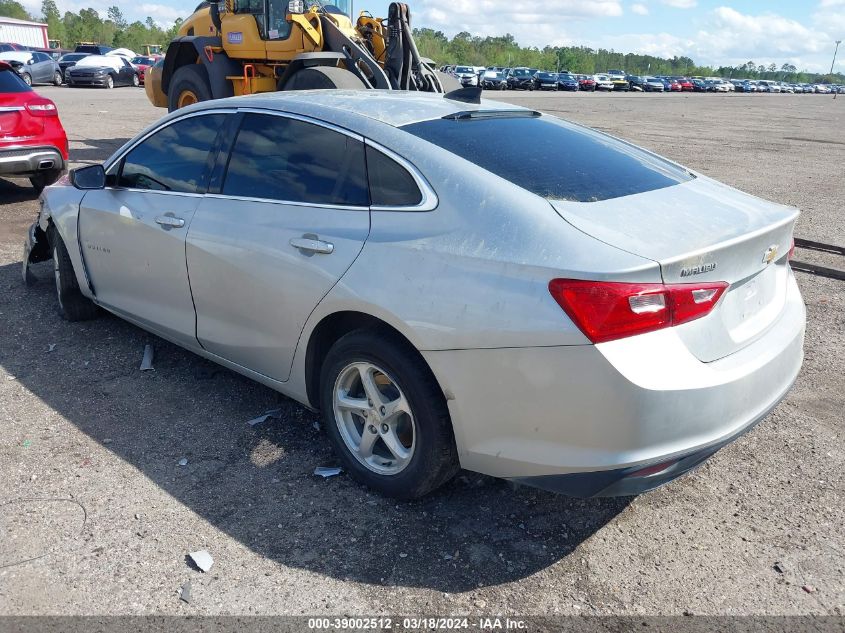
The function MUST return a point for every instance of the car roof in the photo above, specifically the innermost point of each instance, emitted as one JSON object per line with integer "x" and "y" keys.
{"x": 18, "y": 56}
{"x": 393, "y": 107}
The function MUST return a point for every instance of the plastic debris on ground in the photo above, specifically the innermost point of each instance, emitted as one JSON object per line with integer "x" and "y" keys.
{"x": 52, "y": 346}
{"x": 273, "y": 413}
{"x": 147, "y": 361}
{"x": 202, "y": 559}
{"x": 183, "y": 461}
{"x": 185, "y": 592}
{"x": 327, "y": 471}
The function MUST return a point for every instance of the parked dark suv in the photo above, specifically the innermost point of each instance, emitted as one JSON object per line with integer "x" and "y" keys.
{"x": 93, "y": 49}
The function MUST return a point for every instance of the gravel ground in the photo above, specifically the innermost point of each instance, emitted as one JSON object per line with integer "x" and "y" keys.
{"x": 96, "y": 515}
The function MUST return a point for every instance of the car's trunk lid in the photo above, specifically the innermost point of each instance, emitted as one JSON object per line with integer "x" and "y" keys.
{"x": 702, "y": 231}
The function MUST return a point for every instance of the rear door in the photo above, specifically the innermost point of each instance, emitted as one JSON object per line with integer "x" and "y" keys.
{"x": 132, "y": 233}
{"x": 127, "y": 71}
{"x": 42, "y": 69}
{"x": 285, "y": 218}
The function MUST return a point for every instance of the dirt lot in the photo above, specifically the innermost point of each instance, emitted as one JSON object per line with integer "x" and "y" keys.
{"x": 92, "y": 489}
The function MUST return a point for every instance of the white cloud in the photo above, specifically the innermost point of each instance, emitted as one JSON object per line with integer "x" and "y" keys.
{"x": 162, "y": 14}
{"x": 639, "y": 9}
{"x": 531, "y": 24}
{"x": 680, "y": 4}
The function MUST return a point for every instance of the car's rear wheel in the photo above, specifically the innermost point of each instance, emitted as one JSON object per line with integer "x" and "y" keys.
{"x": 57, "y": 78}
{"x": 73, "y": 305}
{"x": 27, "y": 79}
{"x": 135, "y": 81}
{"x": 386, "y": 416}
{"x": 109, "y": 82}
{"x": 44, "y": 179}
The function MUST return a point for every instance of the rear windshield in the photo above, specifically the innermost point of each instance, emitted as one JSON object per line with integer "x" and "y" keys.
{"x": 552, "y": 158}
{"x": 11, "y": 82}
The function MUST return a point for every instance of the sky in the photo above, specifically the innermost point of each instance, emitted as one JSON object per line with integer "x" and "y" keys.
{"x": 712, "y": 32}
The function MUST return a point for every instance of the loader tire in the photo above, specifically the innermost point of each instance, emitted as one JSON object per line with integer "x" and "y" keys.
{"x": 189, "y": 85}
{"x": 324, "y": 78}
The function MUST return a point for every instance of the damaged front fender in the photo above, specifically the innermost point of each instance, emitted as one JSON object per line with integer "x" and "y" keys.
{"x": 36, "y": 249}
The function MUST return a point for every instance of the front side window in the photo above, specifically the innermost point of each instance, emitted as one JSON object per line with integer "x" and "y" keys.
{"x": 173, "y": 159}
{"x": 290, "y": 160}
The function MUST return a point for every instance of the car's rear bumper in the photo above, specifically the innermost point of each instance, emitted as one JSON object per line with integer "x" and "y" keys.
{"x": 25, "y": 161}
{"x": 605, "y": 411}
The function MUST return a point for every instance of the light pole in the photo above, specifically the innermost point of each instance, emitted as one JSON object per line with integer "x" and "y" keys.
{"x": 835, "y": 50}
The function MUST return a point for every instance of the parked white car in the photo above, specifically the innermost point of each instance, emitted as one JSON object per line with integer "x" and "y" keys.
{"x": 603, "y": 82}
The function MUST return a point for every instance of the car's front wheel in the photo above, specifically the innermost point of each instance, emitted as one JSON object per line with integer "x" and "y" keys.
{"x": 27, "y": 79}
{"x": 57, "y": 78}
{"x": 135, "y": 81}
{"x": 73, "y": 305}
{"x": 109, "y": 82}
{"x": 386, "y": 416}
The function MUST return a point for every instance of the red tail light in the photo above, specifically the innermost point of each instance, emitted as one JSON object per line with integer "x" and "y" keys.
{"x": 791, "y": 253}
{"x": 41, "y": 107}
{"x": 605, "y": 311}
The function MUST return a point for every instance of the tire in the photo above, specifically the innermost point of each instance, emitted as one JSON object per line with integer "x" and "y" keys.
{"x": 448, "y": 82}
{"x": 109, "y": 82}
{"x": 135, "y": 81}
{"x": 324, "y": 78}
{"x": 57, "y": 78}
{"x": 27, "y": 79}
{"x": 44, "y": 179}
{"x": 433, "y": 458}
{"x": 189, "y": 85}
{"x": 73, "y": 306}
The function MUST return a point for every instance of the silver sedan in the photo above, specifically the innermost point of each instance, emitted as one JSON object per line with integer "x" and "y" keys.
{"x": 565, "y": 310}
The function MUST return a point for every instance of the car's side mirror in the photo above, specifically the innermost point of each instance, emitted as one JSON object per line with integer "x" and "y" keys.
{"x": 30, "y": 61}
{"x": 90, "y": 177}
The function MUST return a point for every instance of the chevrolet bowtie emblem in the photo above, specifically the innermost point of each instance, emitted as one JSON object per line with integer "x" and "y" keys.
{"x": 771, "y": 254}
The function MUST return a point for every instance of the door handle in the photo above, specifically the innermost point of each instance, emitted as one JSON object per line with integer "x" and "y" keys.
{"x": 169, "y": 222}
{"x": 312, "y": 245}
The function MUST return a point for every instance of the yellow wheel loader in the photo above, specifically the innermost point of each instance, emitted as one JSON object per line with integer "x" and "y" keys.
{"x": 238, "y": 47}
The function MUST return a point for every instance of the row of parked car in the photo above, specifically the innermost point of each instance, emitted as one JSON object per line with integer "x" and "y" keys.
{"x": 522, "y": 78}
{"x": 88, "y": 65}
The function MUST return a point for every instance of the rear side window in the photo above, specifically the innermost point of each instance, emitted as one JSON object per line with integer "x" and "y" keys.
{"x": 175, "y": 158}
{"x": 11, "y": 82}
{"x": 390, "y": 184}
{"x": 552, "y": 158}
{"x": 293, "y": 161}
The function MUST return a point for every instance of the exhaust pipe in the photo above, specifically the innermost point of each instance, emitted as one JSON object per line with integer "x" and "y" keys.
{"x": 46, "y": 164}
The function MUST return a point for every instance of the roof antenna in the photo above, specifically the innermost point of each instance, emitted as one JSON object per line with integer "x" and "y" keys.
{"x": 470, "y": 94}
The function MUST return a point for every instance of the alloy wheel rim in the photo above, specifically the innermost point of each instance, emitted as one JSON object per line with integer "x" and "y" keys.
{"x": 58, "y": 275}
{"x": 374, "y": 418}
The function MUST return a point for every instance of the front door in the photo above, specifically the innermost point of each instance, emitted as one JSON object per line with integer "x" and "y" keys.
{"x": 289, "y": 218}
{"x": 133, "y": 232}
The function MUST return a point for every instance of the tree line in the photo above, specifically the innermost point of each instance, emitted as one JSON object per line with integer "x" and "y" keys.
{"x": 503, "y": 50}
{"x": 114, "y": 30}
{"x": 89, "y": 26}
